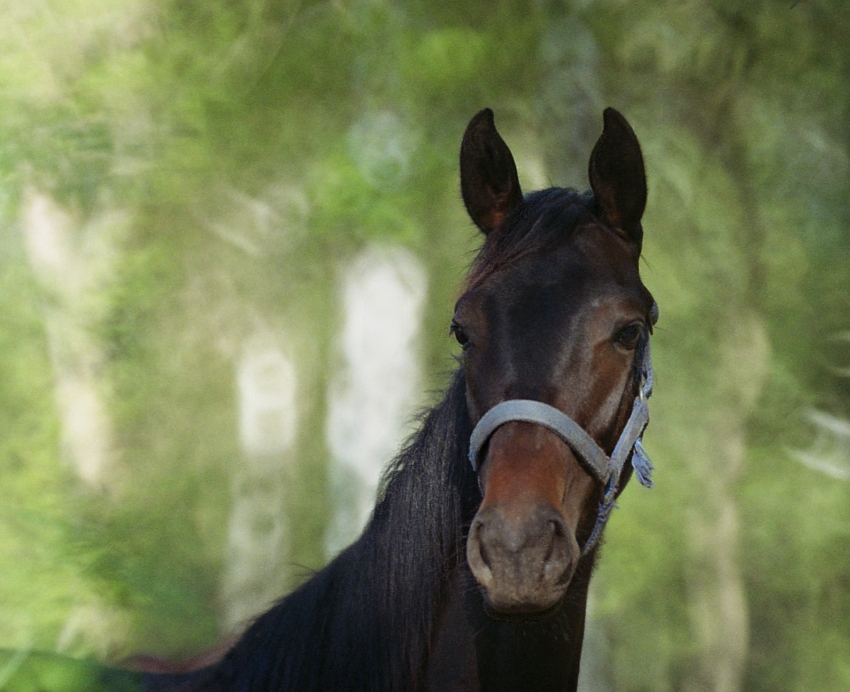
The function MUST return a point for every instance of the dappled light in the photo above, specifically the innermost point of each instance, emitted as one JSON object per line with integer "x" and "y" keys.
{"x": 371, "y": 400}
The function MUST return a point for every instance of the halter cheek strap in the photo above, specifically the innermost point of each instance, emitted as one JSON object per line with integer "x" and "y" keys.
{"x": 605, "y": 469}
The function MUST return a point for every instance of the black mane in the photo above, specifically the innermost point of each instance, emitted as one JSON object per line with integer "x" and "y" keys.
{"x": 365, "y": 621}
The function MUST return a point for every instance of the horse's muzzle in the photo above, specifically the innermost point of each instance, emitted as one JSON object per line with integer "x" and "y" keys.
{"x": 523, "y": 560}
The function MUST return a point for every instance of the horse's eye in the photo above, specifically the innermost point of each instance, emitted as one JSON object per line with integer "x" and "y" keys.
{"x": 629, "y": 336}
{"x": 459, "y": 334}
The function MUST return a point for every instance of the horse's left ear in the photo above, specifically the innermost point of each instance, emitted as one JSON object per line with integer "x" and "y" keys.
{"x": 488, "y": 179}
{"x": 617, "y": 176}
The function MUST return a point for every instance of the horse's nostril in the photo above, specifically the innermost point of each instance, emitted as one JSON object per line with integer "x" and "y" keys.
{"x": 556, "y": 561}
{"x": 484, "y": 557}
{"x": 553, "y": 538}
{"x": 477, "y": 555}
{"x": 559, "y": 528}
{"x": 482, "y": 549}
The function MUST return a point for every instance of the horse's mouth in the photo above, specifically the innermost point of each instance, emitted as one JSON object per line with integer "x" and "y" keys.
{"x": 521, "y": 615}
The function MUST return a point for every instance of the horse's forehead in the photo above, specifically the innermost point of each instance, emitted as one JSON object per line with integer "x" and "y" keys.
{"x": 575, "y": 278}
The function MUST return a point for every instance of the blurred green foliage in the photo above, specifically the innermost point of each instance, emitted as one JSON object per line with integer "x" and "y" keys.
{"x": 244, "y": 142}
{"x": 28, "y": 672}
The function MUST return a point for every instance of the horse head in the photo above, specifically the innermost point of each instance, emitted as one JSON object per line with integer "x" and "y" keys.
{"x": 554, "y": 312}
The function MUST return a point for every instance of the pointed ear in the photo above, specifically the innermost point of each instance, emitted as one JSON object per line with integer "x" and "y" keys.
{"x": 617, "y": 176}
{"x": 488, "y": 178}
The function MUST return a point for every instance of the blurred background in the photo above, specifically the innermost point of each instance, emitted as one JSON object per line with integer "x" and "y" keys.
{"x": 230, "y": 242}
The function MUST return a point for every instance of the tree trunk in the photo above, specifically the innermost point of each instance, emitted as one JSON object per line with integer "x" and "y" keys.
{"x": 718, "y": 604}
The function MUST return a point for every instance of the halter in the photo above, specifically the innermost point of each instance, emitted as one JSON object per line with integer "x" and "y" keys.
{"x": 605, "y": 469}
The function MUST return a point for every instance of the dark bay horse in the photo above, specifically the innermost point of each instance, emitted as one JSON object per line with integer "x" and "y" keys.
{"x": 474, "y": 576}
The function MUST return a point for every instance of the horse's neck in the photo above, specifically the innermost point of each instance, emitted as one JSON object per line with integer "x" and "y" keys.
{"x": 452, "y": 665}
{"x": 543, "y": 656}
{"x": 475, "y": 653}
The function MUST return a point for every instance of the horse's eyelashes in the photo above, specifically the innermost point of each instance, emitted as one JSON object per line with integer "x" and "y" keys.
{"x": 459, "y": 334}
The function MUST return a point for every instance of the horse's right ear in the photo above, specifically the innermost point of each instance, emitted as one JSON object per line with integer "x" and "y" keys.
{"x": 488, "y": 177}
{"x": 617, "y": 176}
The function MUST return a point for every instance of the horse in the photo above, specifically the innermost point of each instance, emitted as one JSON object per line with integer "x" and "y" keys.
{"x": 473, "y": 571}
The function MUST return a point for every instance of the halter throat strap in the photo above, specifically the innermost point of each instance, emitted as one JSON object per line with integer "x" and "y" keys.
{"x": 605, "y": 469}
